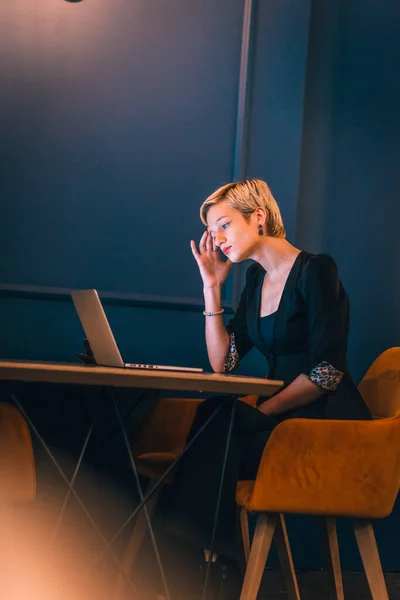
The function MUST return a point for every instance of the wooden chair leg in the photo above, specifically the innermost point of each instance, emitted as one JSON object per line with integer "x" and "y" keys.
{"x": 260, "y": 547}
{"x": 244, "y": 526}
{"x": 331, "y": 553}
{"x": 370, "y": 557}
{"x": 135, "y": 542}
{"x": 285, "y": 559}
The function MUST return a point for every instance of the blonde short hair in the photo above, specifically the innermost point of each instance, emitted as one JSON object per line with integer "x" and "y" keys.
{"x": 245, "y": 197}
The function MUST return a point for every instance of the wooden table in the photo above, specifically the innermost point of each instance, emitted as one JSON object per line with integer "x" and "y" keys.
{"x": 219, "y": 383}
{"x": 64, "y": 373}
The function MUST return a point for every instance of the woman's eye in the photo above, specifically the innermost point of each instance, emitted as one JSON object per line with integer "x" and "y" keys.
{"x": 225, "y": 225}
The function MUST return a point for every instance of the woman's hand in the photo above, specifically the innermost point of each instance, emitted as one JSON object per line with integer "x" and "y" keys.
{"x": 213, "y": 270}
{"x": 268, "y": 408}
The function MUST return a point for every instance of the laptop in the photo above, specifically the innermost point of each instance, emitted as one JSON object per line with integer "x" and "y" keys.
{"x": 101, "y": 338}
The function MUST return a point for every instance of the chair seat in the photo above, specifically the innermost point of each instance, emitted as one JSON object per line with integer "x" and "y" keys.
{"x": 154, "y": 464}
{"x": 322, "y": 467}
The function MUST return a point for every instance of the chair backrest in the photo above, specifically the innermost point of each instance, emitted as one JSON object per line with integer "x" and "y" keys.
{"x": 380, "y": 387}
{"x": 166, "y": 426}
{"x": 17, "y": 467}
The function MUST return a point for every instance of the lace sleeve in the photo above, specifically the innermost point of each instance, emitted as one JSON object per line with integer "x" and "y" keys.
{"x": 326, "y": 376}
{"x": 232, "y": 358}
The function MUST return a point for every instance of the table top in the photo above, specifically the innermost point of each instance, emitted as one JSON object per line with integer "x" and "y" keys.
{"x": 52, "y": 372}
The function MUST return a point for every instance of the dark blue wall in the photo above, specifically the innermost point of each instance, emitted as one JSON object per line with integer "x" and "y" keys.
{"x": 116, "y": 120}
{"x": 348, "y": 200}
{"x": 349, "y": 182}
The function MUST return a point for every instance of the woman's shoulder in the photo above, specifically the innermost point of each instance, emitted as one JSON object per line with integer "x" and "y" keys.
{"x": 311, "y": 267}
{"x": 253, "y": 272}
{"x": 318, "y": 267}
{"x": 318, "y": 262}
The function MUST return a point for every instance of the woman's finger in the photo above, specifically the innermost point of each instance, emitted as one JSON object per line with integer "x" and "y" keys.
{"x": 209, "y": 242}
{"x": 202, "y": 243}
{"x": 194, "y": 250}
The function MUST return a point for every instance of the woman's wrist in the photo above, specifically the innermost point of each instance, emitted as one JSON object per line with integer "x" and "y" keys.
{"x": 212, "y": 288}
{"x": 212, "y": 299}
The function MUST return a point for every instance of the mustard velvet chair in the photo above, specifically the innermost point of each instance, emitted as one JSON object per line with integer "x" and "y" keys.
{"x": 17, "y": 467}
{"x": 159, "y": 441}
{"x": 328, "y": 468}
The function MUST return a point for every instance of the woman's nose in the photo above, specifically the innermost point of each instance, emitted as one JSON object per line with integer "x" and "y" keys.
{"x": 219, "y": 239}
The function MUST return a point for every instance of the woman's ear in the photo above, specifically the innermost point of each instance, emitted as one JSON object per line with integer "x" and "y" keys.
{"x": 260, "y": 216}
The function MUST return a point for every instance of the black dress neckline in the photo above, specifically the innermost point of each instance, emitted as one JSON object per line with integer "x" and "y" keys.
{"x": 287, "y": 283}
{"x": 270, "y": 315}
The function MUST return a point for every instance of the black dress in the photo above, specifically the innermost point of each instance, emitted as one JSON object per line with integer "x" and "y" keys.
{"x": 307, "y": 334}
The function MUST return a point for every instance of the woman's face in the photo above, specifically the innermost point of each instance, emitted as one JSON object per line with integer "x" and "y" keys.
{"x": 236, "y": 237}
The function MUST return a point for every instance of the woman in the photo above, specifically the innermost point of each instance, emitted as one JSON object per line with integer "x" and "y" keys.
{"x": 295, "y": 310}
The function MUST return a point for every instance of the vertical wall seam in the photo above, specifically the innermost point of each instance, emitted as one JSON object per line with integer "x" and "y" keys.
{"x": 242, "y": 121}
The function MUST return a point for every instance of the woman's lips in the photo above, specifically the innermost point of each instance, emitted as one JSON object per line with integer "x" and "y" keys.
{"x": 226, "y": 250}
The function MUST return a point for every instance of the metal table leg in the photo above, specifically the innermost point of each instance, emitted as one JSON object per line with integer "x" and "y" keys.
{"x": 74, "y": 494}
{"x": 216, "y": 514}
{"x": 72, "y": 482}
{"x": 144, "y": 499}
{"x": 136, "y": 476}
{"x": 159, "y": 482}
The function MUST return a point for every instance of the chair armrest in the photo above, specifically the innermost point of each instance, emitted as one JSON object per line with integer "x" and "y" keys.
{"x": 327, "y": 467}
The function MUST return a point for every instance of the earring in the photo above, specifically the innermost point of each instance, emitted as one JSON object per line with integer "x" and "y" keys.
{"x": 260, "y": 229}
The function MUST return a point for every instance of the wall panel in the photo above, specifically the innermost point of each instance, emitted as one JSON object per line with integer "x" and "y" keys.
{"x": 116, "y": 120}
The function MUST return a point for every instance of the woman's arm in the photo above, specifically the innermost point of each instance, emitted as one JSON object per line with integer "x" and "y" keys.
{"x": 327, "y": 322}
{"x": 300, "y": 392}
{"x": 217, "y": 337}
{"x": 225, "y": 345}
{"x": 213, "y": 272}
